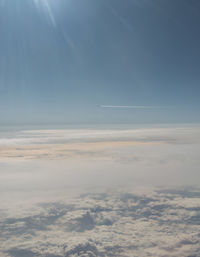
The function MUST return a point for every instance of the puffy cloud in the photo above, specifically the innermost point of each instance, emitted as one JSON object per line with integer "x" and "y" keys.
{"x": 43, "y": 214}
{"x": 120, "y": 222}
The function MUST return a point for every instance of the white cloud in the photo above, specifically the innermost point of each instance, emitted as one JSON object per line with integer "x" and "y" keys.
{"x": 140, "y": 224}
{"x": 43, "y": 211}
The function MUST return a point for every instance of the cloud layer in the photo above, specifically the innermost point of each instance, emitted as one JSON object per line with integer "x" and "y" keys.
{"x": 158, "y": 222}
{"x": 65, "y": 144}
{"x": 88, "y": 193}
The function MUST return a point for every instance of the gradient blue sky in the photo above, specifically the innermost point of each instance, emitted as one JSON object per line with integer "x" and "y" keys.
{"x": 61, "y": 59}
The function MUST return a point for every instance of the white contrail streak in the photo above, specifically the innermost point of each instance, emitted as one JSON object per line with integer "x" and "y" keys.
{"x": 132, "y": 106}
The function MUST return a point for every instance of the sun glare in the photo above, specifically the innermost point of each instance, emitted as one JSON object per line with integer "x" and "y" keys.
{"x": 46, "y": 7}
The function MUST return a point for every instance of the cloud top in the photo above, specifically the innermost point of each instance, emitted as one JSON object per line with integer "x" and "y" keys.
{"x": 62, "y": 144}
{"x": 117, "y": 223}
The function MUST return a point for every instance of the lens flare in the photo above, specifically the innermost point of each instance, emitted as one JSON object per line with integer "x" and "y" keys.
{"x": 45, "y": 6}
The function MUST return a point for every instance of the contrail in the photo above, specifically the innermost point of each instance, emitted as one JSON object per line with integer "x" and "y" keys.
{"x": 132, "y": 106}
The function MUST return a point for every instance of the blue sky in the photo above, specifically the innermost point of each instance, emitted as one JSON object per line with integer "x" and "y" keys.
{"x": 61, "y": 60}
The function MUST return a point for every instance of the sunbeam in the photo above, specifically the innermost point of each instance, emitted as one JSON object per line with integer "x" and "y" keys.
{"x": 45, "y": 6}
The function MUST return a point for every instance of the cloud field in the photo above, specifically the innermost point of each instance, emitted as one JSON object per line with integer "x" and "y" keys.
{"x": 160, "y": 222}
{"x": 109, "y": 192}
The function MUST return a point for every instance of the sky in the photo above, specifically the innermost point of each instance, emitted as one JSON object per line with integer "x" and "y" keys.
{"x": 61, "y": 60}
{"x": 99, "y": 128}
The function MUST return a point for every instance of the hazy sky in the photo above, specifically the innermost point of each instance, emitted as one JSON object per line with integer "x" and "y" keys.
{"x": 61, "y": 59}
